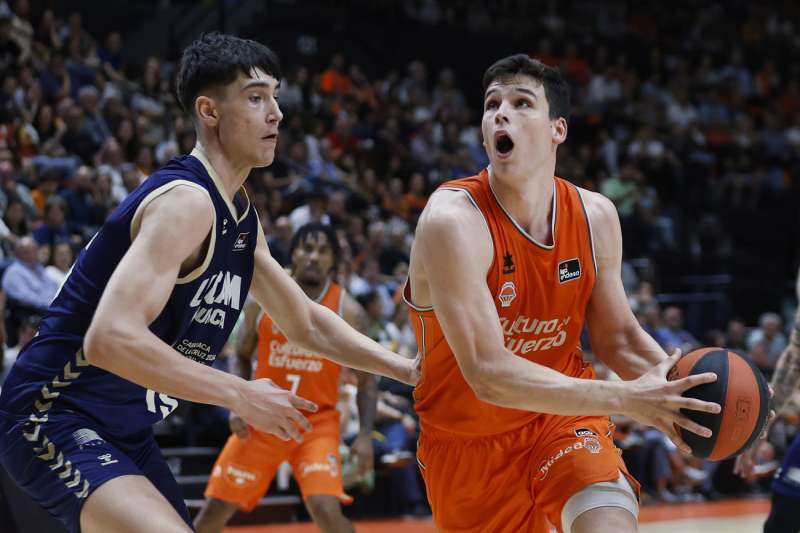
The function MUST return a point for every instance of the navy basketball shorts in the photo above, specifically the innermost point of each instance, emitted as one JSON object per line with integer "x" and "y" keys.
{"x": 61, "y": 458}
{"x": 787, "y": 481}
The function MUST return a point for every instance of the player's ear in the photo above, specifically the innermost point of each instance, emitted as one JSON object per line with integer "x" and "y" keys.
{"x": 558, "y": 128}
{"x": 206, "y": 109}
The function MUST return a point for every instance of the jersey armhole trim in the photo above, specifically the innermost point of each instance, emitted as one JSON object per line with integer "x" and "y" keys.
{"x": 589, "y": 224}
{"x": 136, "y": 223}
{"x": 407, "y": 288}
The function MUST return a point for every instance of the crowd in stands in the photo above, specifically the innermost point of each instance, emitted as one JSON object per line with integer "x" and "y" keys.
{"x": 683, "y": 132}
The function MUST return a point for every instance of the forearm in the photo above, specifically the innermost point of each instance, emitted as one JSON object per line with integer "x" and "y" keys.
{"x": 514, "y": 382}
{"x": 629, "y": 353}
{"x": 786, "y": 379}
{"x": 367, "y": 399}
{"x": 142, "y": 358}
{"x": 330, "y": 336}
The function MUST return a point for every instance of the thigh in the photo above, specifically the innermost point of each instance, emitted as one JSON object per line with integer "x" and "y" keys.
{"x": 573, "y": 454}
{"x": 478, "y": 485}
{"x": 154, "y": 467}
{"x": 130, "y": 504}
{"x": 245, "y": 468}
{"x": 316, "y": 462}
{"x": 60, "y": 460}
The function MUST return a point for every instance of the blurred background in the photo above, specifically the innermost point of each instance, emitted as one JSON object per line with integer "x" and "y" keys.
{"x": 686, "y": 114}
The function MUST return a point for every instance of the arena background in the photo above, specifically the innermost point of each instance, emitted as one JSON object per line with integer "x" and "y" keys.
{"x": 686, "y": 114}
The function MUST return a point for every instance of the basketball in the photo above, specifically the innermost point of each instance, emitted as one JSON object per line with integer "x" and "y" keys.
{"x": 741, "y": 391}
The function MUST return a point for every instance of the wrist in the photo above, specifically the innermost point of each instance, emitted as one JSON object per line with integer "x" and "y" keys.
{"x": 617, "y": 397}
{"x": 234, "y": 393}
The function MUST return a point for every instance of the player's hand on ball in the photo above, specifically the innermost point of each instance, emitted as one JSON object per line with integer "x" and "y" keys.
{"x": 238, "y": 426}
{"x": 274, "y": 410}
{"x": 655, "y": 401}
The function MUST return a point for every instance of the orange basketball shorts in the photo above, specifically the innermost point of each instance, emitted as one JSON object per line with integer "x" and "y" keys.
{"x": 245, "y": 467}
{"x": 517, "y": 481}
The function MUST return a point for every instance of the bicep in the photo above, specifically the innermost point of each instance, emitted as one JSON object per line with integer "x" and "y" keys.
{"x": 456, "y": 259}
{"x": 277, "y": 293}
{"x": 145, "y": 277}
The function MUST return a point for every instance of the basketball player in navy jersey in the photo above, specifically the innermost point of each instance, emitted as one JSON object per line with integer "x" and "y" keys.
{"x": 150, "y": 301}
{"x": 784, "y": 516}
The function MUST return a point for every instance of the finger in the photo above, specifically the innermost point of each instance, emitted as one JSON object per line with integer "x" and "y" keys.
{"x": 280, "y": 432}
{"x": 298, "y": 418}
{"x": 293, "y": 432}
{"x": 694, "y": 380}
{"x": 666, "y": 365}
{"x": 693, "y": 404}
{"x": 301, "y": 403}
{"x": 771, "y": 392}
{"x": 674, "y": 435}
{"x": 694, "y": 427}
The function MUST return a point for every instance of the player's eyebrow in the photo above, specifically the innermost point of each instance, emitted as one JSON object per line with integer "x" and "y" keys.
{"x": 260, "y": 83}
{"x": 518, "y": 89}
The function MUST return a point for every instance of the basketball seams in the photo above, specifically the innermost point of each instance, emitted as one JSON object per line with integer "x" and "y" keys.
{"x": 707, "y": 360}
{"x": 763, "y": 405}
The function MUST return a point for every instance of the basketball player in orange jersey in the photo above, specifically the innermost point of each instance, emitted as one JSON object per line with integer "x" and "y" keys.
{"x": 505, "y": 268}
{"x": 250, "y": 459}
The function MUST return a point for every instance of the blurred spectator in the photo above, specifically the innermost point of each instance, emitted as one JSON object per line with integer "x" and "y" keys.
{"x": 280, "y": 240}
{"x": 770, "y": 335}
{"x": 672, "y": 335}
{"x": 736, "y": 335}
{"x": 55, "y": 225}
{"x": 25, "y": 281}
{"x": 60, "y": 262}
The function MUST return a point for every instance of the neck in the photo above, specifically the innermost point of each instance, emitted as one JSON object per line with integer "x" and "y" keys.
{"x": 528, "y": 198}
{"x": 313, "y": 291}
{"x": 231, "y": 174}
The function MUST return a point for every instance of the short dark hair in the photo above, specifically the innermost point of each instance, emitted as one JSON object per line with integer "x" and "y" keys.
{"x": 215, "y": 60}
{"x": 300, "y": 235}
{"x": 556, "y": 88}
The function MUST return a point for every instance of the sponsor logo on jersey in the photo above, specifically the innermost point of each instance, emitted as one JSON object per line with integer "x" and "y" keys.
{"x": 589, "y": 443}
{"x": 87, "y": 437}
{"x": 239, "y": 476}
{"x": 241, "y": 242}
{"x": 584, "y": 432}
{"x": 220, "y": 290}
{"x": 569, "y": 270}
{"x": 331, "y": 466}
{"x": 507, "y": 293}
{"x": 551, "y": 333}
{"x": 287, "y": 355}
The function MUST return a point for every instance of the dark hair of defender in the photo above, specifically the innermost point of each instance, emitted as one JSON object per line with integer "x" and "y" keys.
{"x": 303, "y": 232}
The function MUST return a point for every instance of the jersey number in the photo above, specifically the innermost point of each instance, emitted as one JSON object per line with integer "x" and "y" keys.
{"x": 167, "y": 404}
{"x": 294, "y": 379}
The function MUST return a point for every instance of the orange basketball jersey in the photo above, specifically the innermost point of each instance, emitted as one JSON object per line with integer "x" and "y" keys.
{"x": 540, "y": 292}
{"x": 304, "y": 373}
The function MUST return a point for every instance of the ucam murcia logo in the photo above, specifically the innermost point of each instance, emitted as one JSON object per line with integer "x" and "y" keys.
{"x": 569, "y": 270}
{"x": 507, "y": 293}
{"x": 554, "y": 329}
{"x": 221, "y": 288}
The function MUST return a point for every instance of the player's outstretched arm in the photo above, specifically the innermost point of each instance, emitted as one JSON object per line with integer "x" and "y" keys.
{"x": 616, "y": 336}
{"x": 456, "y": 252}
{"x": 173, "y": 227}
{"x": 317, "y": 328}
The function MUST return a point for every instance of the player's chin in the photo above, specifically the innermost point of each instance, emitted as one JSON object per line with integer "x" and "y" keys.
{"x": 264, "y": 159}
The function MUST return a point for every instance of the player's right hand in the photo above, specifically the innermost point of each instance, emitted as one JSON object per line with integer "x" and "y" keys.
{"x": 238, "y": 426}
{"x": 274, "y": 410}
{"x": 655, "y": 401}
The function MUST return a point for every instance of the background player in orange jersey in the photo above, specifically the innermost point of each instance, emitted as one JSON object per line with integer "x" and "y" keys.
{"x": 250, "y": 459}
{"x": 506, "y": 267}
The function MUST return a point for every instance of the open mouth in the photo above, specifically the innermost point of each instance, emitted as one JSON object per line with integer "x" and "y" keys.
{"x": 503, "y": 143}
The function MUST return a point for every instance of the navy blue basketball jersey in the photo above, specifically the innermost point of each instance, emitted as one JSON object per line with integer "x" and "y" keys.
{"x": 51, "y": 371}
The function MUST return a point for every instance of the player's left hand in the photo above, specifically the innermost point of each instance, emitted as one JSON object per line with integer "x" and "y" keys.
{"x": 363, "y": 453}
{"x": 746, "y": 462}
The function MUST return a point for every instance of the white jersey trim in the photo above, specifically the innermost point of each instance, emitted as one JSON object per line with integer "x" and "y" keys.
{"x": 136, "y": 223}
{"x": 521, "y": 229}
{"x": 200, "y": 155}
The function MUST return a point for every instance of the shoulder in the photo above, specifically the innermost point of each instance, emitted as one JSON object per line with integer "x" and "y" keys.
{"x": 599, "y": 208}
{"x": 352, "y": 312}
{"x": 183, "y": 209}
{"x": 448, "y": 210}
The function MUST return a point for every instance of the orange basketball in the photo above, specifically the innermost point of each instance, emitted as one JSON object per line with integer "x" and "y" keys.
{"x": 741, "y": 391}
